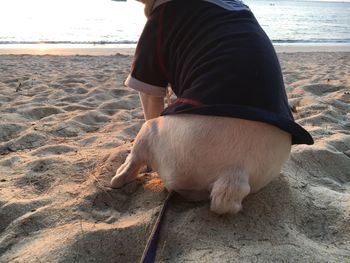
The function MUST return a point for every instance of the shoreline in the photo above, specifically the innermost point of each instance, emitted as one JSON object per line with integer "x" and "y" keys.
{"x": 128, "y": 49}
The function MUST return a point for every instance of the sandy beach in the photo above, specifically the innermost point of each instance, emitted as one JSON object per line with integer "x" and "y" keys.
{"x": 66, "y": 125}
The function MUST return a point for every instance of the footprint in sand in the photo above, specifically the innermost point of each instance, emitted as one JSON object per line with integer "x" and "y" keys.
{"x": 75, "y": 90}
{"x": 12, "y": 211}
{"x": 92, "y": 118}
{"x": 9, "y": 131}
{"x": 72, "y": 99}
{"x": 119, "y": 92}
{"x": 71, "y": 80}
{"x": 321, "y": 89}
{"x": 10, "y": 162}
{"x": 54, "y": 150}
{"x": 110, "y": 108}
{"x": 42, "y": 174}
{"x": 76, "y": 107}
{"x": 5, "y": 99}
{"x": 29, "y": 140}
{"x": 320, "y": 166}
{"x": 45, "y": 164}
{"x": 37, "y": 113}
{"x": 36, "y": 183}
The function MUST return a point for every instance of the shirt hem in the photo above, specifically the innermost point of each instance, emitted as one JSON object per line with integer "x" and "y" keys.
{"x": 145, "y": 87}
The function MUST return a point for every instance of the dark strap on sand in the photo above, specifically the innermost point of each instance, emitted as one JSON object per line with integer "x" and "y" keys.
{"x": 149, "y": 254}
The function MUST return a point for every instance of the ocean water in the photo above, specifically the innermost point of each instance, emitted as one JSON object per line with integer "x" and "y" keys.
{"x": 112, "y": 22}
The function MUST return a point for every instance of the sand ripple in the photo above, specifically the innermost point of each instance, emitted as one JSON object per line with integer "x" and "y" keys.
{"x": 66, "y": 125}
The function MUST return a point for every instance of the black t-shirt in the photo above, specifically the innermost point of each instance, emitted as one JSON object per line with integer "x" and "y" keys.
{"x": 218, "y": 61}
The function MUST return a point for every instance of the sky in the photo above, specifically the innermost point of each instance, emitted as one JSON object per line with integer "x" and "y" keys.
{"x": 48, "y": 10}
{"x": 52, "y": 18}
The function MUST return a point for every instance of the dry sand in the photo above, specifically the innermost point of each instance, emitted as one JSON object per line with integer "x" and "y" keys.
{"x": 67, "y": 123}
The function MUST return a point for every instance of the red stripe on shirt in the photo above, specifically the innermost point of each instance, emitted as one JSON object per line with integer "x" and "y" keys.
{"x": 188, "y": 101}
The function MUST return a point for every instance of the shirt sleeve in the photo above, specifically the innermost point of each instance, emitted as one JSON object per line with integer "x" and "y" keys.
{"x": 147, "y": 71}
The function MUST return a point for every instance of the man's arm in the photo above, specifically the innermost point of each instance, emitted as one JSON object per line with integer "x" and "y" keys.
{"x": 152, "y": 105}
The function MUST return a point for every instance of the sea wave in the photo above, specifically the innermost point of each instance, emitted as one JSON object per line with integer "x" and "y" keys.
{"x": 306, "y": 41}
{"x": 66, "y": 42}
{"x": 277, "y": 41}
